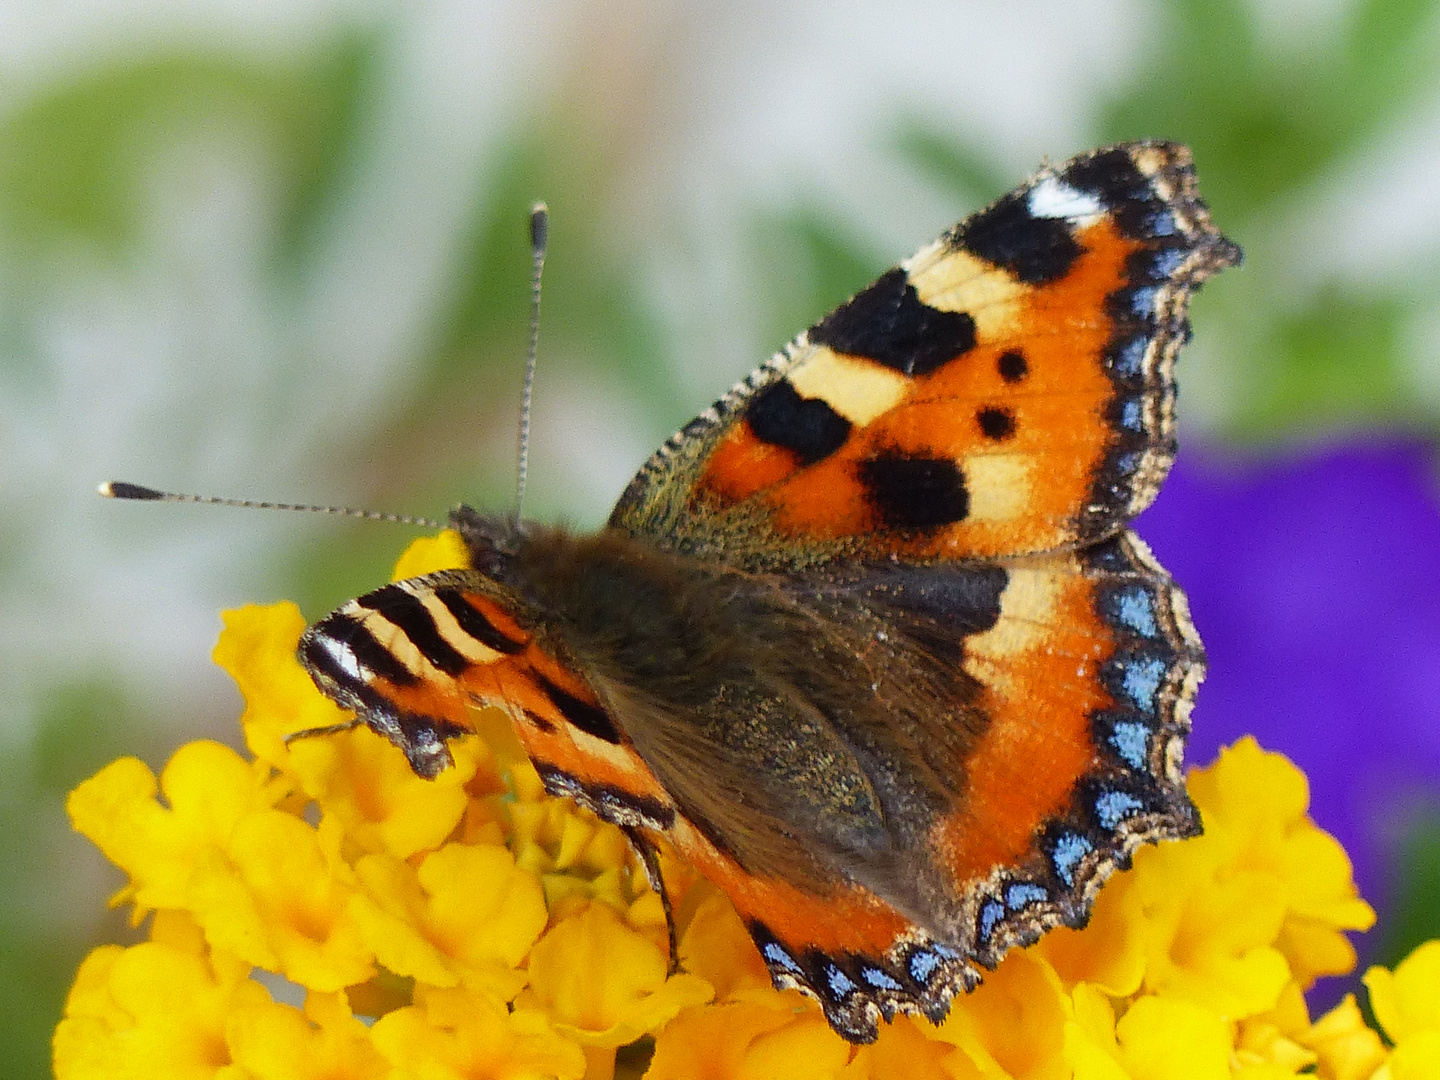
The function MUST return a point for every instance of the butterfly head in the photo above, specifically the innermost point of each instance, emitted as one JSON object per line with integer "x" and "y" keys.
{"x": 492, "y": 540}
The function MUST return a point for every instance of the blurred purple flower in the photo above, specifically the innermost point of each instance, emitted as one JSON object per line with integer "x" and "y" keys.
{"x": 1314, "y": 580}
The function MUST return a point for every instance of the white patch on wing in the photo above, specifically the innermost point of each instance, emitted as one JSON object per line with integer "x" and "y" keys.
{"x": 1027, "y": 616}
{"x": 344, "y": 657}
{"x": 1053, "y": 198}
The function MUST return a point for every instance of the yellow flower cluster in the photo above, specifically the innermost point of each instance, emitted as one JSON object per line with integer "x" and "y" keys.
{"x": 317, "y": 912}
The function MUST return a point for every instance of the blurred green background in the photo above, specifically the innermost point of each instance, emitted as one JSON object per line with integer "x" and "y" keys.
{"x": 278, "y": 250}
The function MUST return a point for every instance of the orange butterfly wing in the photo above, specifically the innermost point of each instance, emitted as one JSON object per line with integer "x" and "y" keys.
{"x": 1008, "y": 390}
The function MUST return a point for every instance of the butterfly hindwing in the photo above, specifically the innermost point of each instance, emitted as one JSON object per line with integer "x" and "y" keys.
{"x": 1084, "y": 671}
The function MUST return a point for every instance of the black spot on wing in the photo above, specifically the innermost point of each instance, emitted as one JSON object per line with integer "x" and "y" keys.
{"x": 888, "y": 323}
{"x": 1012, "y": 367}
{"x": 474, "y": 623}
{"x": 996, "y": 424}
{"x": 1035, "y": 250}
{"x": 408, "y": 613}
{"x": 778, "y": 415}
{"x": 915, "y": 492}
{"x": 589, "y": 718}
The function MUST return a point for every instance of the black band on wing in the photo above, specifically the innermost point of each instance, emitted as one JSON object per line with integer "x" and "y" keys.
{"x": 475, "y": 624}
{"x": 1126, "y": 192}
{"x": 778, "y": 415}
{"x": 369, "y": 653}
{"x": 910, "y": 492}
{"x": 613, "y": 804}
{"x": 409, "y": 614}
{"x": 589, "y": 718}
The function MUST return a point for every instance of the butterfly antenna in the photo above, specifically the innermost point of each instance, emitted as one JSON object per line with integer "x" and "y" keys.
{"x": 119, "y": 489}
{"x": 539, "y": 234}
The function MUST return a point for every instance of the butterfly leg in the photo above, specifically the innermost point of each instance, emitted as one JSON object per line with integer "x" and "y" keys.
{"x": 648, "y": 859}
{"x": 328, "y": 729}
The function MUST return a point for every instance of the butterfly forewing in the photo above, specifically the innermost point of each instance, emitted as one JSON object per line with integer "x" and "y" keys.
{"x": 1006, "y": 391}
{"x": 416, "y": 657}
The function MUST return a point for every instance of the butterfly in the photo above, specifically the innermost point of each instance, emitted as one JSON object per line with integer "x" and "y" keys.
{"x": 869, "y": 641}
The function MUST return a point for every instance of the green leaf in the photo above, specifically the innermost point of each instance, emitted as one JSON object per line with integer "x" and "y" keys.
{"x": 1383, "y": 33}
{"x": 591, "y": 299}
{"x": 34, "y": 974}
{"x": 80, "y": 726}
